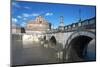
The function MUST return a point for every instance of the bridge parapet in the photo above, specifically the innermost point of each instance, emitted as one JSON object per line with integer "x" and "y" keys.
{"x": 88, "y": 24}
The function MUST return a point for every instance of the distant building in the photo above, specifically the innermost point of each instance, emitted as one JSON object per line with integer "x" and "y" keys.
{"x": 39, "y": 25}
{"x": 15, "y": 28}
{"x": 61, "y": 26}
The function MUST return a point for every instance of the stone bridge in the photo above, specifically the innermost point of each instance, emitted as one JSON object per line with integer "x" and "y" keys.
{"x": 67, "y": 37}
{"x": 77, "y": 41}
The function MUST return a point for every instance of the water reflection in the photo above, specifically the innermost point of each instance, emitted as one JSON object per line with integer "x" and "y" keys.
{"x": 38, "y": 50}
{"x": 35, "y": 52}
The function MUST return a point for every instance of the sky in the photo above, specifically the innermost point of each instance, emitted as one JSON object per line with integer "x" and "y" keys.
{"x": 23, "y": 12}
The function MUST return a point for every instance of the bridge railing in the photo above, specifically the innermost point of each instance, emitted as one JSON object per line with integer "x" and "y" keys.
{"x": 82, "y": 25}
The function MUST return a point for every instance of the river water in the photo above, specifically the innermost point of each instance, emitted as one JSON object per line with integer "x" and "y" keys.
{"x": 33, "y": 53}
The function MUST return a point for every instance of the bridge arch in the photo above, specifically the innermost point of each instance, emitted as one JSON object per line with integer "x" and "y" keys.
{"x": 53, "y": 40}
{"x": 44, "y": 37}
{"x": 77, "y": 44}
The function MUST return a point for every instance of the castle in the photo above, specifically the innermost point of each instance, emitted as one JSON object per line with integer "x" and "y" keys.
{"x": 39, "y": 25}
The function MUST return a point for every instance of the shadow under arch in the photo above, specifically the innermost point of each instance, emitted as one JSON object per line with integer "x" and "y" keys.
{"x": 44, "y": 37}
{"x": 53, "y": 40}
{"x": 76, "y": 46}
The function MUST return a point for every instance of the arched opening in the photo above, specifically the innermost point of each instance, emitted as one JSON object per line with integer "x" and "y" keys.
{"x": 44, "y": 37}
{"x": 53, "y": 40}
{"x": 78, "y": 48}
{"x": 22, "y": 30}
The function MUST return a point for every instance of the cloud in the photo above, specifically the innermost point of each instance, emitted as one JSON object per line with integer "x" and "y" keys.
{"x": 19, "y": 17}
{"x": 35, "y": 14}
{"x": 26, "y": 15}
{"x": 18, "y": 6}
{"x": 14, "y": 20}
{"x": 15, "y": 4}
{"x": 49, "y": 14}
{"x": 27, "y": 7}
{"x": 23, "y": 24}
{"x": 24, "y": 18}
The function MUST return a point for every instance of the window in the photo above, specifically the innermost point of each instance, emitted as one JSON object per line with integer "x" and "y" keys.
{"x": 40, "y": 22}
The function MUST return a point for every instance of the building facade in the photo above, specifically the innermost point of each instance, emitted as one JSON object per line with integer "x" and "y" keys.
{"x": 39, "y": 25}
{"x": 15, "y": 28}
